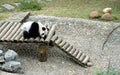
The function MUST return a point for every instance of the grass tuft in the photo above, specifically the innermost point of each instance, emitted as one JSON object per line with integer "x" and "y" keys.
{"x": 30, "y": 4}
{"x": 111, "y": 71}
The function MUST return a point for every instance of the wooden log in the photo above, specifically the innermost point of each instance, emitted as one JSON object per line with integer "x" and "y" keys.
{"x": 65, "y": 46}
{"x": 31, "y": 39}
{"x": 12, "y": 34}
{"x": 37, "y": 39}
{"x": 62, "y": 44}
{"x": 21, "y": 39}
{"x": 49, "y": 26}
{"x": 58, "y": 41}
{"x": 17, "y": 38}
{"x": 8, "y": 32}
{"x": 50, "y": 34}
{"x": 79, "y": 54}
{"x": 54, "y": 38}
{"x": 89, "y": 64}
{"x": 82, "y": 57}
{"x": 25, "y": 40}
{"x": 43, "y": 52}
{"x": 1, "y": 23}
{"x": 86, "y": 60}
{"x": 72, "y": 51}
{"x": 69, "y": 49}
{"x": 6, "y": 29}
{"x": 15, "y": 34}
{"x": 3, "y": 26}
{"x": 75, "y": 53}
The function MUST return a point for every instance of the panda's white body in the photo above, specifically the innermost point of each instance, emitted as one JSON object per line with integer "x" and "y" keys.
{"x": 33, "y": 29}
{"x": 26, "y": 26}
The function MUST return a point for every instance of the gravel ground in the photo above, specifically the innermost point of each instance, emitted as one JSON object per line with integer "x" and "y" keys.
{"x": 100, "y": 40}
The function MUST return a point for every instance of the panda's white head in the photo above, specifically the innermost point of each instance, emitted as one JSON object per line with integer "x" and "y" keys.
{"x": 43, "y": 30}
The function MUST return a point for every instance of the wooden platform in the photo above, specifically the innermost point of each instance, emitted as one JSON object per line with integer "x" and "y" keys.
{"x": 11, "y": 32}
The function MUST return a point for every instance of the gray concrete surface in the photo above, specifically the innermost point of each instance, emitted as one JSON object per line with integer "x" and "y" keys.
{"x": 86, "y": 35}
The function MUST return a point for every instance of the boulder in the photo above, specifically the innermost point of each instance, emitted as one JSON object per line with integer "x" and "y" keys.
{"x": 1, "y": 52}
{"x": 12, "y": 66}
{"x": 94, "y": 14}
{"x": 11, "y": 55}
{"x": 107, "y": 10}
{"x": 17, "y": 4}
{"x": 107, "y": 17}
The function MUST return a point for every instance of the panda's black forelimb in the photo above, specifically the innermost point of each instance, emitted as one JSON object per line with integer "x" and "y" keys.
{"x": 26, "y": 35}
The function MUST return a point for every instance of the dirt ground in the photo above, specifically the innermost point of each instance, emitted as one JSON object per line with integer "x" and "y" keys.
{"x": 99, "y": 40}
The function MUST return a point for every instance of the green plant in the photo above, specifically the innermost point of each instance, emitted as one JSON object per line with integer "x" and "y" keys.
{"x": 30, "y": 4}
{"x": 111, "y": 71}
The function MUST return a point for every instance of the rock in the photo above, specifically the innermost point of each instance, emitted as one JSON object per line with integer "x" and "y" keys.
{"x": 107, "y": 17}
{"x": 11, "y": 55}
{"x": 8, "y": 6}
{"x": 17, "y": 4}
{"x": 2, "y": 60}
{"x": 107, "y": 10}
{"x": 94, "y": 14}
{"x": 12, "y": 66}
{"x": 1, "y": 52}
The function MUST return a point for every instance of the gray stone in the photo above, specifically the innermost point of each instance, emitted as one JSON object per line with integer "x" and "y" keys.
{"x": 12, "y": 66}
{"x": 17, "y": 4}
{"x": 1, "y": 52}
{"x": 8, "y": 6}
{"x": 10, "y": 55}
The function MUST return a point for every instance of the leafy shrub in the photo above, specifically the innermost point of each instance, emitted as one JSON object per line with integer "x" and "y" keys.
{"x": 110, "y": 72}
{"x": 30, "y": 4}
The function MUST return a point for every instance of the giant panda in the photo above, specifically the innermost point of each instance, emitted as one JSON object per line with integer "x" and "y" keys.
{"x": 33, "y": 29}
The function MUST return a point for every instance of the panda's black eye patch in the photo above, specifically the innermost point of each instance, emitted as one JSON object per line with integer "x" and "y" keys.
{"x": 43, "y": 28}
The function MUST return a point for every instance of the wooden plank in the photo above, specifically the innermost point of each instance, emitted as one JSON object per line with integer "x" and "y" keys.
{"x": 8, "y": 32}
{"x": 6, "y": 29}
{"x": 50, "y": 34}
{"x": 79, "y": 54}
{"x": 21, "y": 39}
{"x": 49, "y": 26}
{"x": 54, "y": 38}
{"x": 17, "y": 38}
{"x": 12, "y": 34}
{"x": 82, "y": 57}
{"x": 37, "y": 39}
{"x": 15, "y": 33}
{"x": 43, "y": 52}
{"x": 75, "y": 53}
{"x": 65, "y": 46}
{"x": 3, "y": 26}
{"x": 58, "y": 41}
{"x": 72, "y": 51}
{"x": 62, "y": 44}
{"x": 1, "y": 23}
{"x": 89, "y": 64}
{"x": 69, "y": 49}
{"x": 86, "y": 59}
